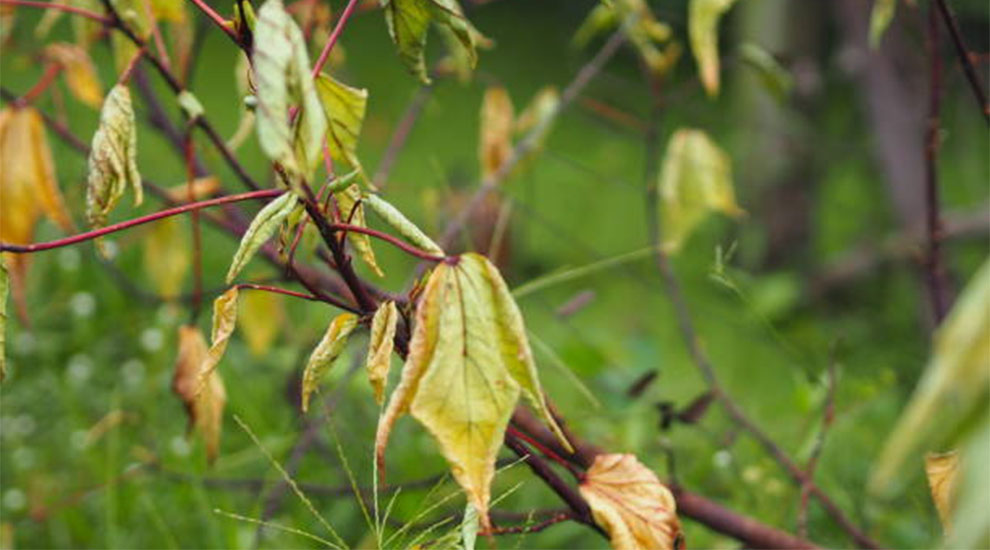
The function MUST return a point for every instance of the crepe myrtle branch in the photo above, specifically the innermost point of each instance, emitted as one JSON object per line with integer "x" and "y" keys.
{"x": 218, "y": 20}
{"x": 334, "y": 36}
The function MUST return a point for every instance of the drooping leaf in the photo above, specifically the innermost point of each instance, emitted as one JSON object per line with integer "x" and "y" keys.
{"x": 776, "y": 79}
{"x": 260, "y": 320}
{"x": 942, "y": 470}
{"x": 113, "y": 157}
{"x": 262, "y": 227}
{"x": 4, "y": 291}
{"x": 326, "y": 352}
{"x": 281, "y": 66}
{"x": 352, "y": 211}
{"x": 495, "y": 141}
{"x": 166, "y": 256}
{"x": 629, "y": 502}
{"x": 703, "y": 19}
{"x": 344, "y": 108}
{"x": 695, "y": 179}
{"x": 80, "y": 74}
{"x": 398, "y": 221}
{"x": 409, "y": 20}
{"x": 224, "y": 321}
{"x": 650, "y": 37}
{"x": 468, "y": 363}
{"x": 380, "y": 347}
{"x": 880, "y": 18}
{"x": 204, "y": 403}
{"x": 201, "y": 188}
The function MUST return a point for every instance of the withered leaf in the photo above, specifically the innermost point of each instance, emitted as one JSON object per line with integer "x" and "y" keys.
{"x": 380, "y": 347}
{"x": 495, "y": 143}
{"x": 166, "y": 256}
{"x": 942, "y": 470}
{"x": 352, "y": 211}
{"x": 468, "y": 362}
{"x": 703, "y": 18}
{"x": 224, "y": 321}
{"x": 113, "y": 157}
{"x": 629, "y": 502}
{"x": 80, "y": 74}
{"x": 204, "y": 403}
{"x": 262, "y": 227}
{"x": 326, "y": 352}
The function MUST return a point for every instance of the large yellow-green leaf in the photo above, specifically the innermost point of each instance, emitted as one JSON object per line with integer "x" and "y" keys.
{"x": 262, "y": 227}
{"x": 113, "y": 157}
{"x": 80, "y": 74}
{"x": 260, "y": 320}
{"x": 468, "y": 362}
{"x": 703, "y": 18}
{"x": 282, "y": 76}
{"x": 352, "y": 211}
{"x": 326, "y": 352}
{"x": 695, "y": 179}
{"x": 344, "y": 108}
{"x": 380, "y": 347}
{"x": 409, "y": 20}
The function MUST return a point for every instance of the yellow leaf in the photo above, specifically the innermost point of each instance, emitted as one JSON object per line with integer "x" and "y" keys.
{"x": 260, "y": 320}
{"x": 201, "y": 189}
{"x": 113, "y": 157}
{"x": 495, "y": 143}
{"x": 703, "y": 18}
{"x": 344, "y": 107}
{"x": 695, "y": 179}
{"x": 204, "y": 405}
{"x": 224, "y": 321}
{"x": 166, "y": 256}
{"x": 942, "y": 470}
{"x": 326, "y": 352}
{"x": 468, "y": 363}
{"x": 80, "y": 74}
{"x": 380, "y": 347}
{"x": 643, "y": 30}
{"x": 173, "y": 11}
{"x": 352, "y": 212}
{"x": 630, "y": 503}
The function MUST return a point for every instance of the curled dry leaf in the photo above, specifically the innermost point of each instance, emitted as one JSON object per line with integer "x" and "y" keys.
{"x": 942, "y": 470}
{"x": 409, "y": 20}
{"x": 629, "y": 502}
{"x": 380, "y": 347}
{"x": 468, "y": 362}
{"x": 166, "y": 256}
{"x": 352, "y": 211}
{"x": 495, "y": 142}
{"x": 344, "y": 108}
{"x": 703, "y": 18}
{"x": 398, "y": 221}
{"x": 113, "y": 157}
{"x": 326, "y": 352}
{"x": 80, "y": 74}
{"x": 224, "y": 321}
{"x": 260, "y": 319}
{"x": 262, "y": 227}
{"x": 204, "y": 406}
{"x": 695, "y": 179}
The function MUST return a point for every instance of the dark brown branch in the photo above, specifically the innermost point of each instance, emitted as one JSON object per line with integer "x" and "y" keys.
{"x": 965, "y": 61}
{"x": 934, "y": 267}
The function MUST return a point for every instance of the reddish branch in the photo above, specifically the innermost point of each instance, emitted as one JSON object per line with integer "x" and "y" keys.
{"x": 51, "y": 71}
{"x": 334, "y": 35}
{"x": 394, "y": 241}
{"x": 217, "y": 19}
{"x": 934, "y": 267}
{"x": 964, "y": 58}
{"x": 59, "y": 7}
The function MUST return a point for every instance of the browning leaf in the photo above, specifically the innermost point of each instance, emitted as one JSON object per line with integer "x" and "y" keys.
{"x": 409, "y": 20}
{"x": 468, "y": 362}
{"x": 398, "y": 221}
{"x": 495, "y": 142}
{"x": 166, "y": 256}
{"x": 201, "y": 189}
{"x": 204, "y": 406}
{"x": 262, "y": 227}
{"x": 224, "y": 321}
{"x": 703, "y": 18}
{"x": 326, "y": 352}
{"x": 260, "y": 320}
{"x": 629, "y": 502}
{"x": 942, "y": 470}
{"x": 380, "y": 347}
{"x": 344, "y": 108}
{"x": 352, "y": 211}
{"x": 113, "y": 157}
{"x": 80, "y": 74}
{"x": 695, "y": 178}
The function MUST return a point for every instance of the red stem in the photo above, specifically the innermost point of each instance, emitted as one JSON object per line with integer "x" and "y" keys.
{"x": 277, "y": 290}
{"x": 89, "y": 235}
{"x": 409, "y": 249}
{"x": 58, "y": 7}
{"x": 217, "y": 19}
{"x": 334, "y": 35}
{"x": 51, "y": 71}
{"x": 578, "y": 474}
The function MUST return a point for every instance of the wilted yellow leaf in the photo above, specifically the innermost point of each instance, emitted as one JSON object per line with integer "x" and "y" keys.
{"x": 344, "y": 107}
{"x": 643, "y": 30}
{"x": 380, "y": 347}
{"x": 703, "y": 18}
{"x": 942, "y": 470}
{"x": 80, "y": 74}
{"x": 468, "y": 362}
{"x": 224, "y": 321}
{"x": 495, "y": 142}
{"x": 629, "y": 502}
{"x": 326, "y": 352}
{"x": 260, "y": 320}
{"x": 695, "y": 179}
{"x": 113, "y": 157}
{"x": 166, "y": 256}
{"x": 204, "y": 402}
{"x": 201, "y": 189}
{"x": 352, "y": 212}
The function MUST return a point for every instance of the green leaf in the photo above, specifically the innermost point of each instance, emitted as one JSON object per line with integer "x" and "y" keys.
{"x": 642, "y": 29}
{"x": 468, "y": 363}
{"x": 409, "y": 20}
{"x": 262, "y": 227}
{"x": 880, "y": 18}
{"x": 695, "y": 179}
{"x": 380, "y": 347}
{"x": 398, "y": 221}
{"x": 703, "y": 18}
{"x": 4, "y": 292}
{"x": 326, "y": 352}
{"x": 352, "y": 211}
{"x": 281, "y": 68}
{"x": 775, "y": 77}
{"x": 113, "y": 157}
{"x": 344, "y": 108}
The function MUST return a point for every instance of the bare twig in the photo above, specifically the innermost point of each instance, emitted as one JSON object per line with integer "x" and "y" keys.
{"x": 965, "y": 61}
{"x": 402, "y": 131}
{"x": 934, "y": 267}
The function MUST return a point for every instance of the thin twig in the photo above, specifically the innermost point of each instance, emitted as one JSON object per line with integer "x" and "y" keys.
{"x": 394, "y": 241}
{"x": 334, "y": 35}
{"x": 59, "y": 7}
{"x": 934, "y": 267}
{"x": 964, "y": 59}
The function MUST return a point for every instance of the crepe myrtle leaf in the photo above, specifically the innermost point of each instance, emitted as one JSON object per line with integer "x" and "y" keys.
{"x": 113, "y": 157}
{"x": 344, "y": 108}
{"x": 703, "y": 18}
{"x": 398, "y": 221}
{"x": 409, "y": 20}
{"x": 260, "y": 320}
{"x": 204, "y": 406}
{"x": 262, "y": 227}
{"x": 468, "y": 363}
{"x": 380, "y": 347}
{"x": 352, "y": 211}
{"x": 167, "y": 256}
{"x": 326, "y": 352}
{"x": 629, "y": 502}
